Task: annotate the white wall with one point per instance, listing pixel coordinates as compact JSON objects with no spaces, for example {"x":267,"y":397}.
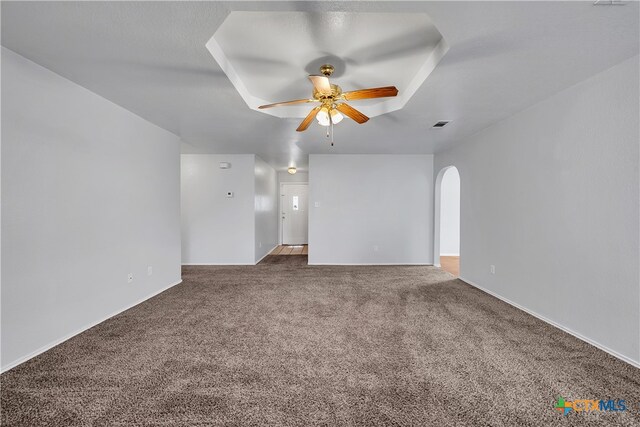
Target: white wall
{"x":373,"y":209}
{"x":450,"y":213}
{"x":550,"y":197}
{"x":90,"y":193}
{"x":217,"y":229}
{"x":297,"y":177}
{"x":266,"y":208}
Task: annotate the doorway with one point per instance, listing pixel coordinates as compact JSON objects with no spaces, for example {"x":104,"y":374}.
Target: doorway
{"x":294,"y":214}
{"x":447,"y":224}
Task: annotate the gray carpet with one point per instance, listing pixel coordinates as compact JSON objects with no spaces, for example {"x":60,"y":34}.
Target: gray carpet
{"x":287,"y":344}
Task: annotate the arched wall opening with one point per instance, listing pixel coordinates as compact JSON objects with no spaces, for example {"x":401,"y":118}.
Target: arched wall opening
{"x":447,"y":218}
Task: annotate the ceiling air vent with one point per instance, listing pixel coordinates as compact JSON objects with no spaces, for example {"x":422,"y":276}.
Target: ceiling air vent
{"x":441,"y":124}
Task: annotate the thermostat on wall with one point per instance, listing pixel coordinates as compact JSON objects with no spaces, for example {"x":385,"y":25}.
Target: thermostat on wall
{"x":229,"y":194}
{"x":225,"y":165}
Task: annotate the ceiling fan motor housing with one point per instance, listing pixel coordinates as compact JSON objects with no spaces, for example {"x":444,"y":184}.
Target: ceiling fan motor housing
{"x":327,"y":69}
{"x":336,"y":92}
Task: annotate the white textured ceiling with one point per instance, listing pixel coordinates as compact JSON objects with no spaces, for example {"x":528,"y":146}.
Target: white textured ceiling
{"x":268,"y":55}
{"x":151,"y":58}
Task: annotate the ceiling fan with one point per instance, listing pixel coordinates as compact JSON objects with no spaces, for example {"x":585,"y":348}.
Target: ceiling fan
{"x":331,"y":99}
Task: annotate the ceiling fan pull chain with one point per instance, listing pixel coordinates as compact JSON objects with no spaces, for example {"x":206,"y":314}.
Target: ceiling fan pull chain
{"x":331,"y":132}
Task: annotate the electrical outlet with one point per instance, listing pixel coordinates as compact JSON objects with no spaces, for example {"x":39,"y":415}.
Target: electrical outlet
{"x":259,"y":244}
{"x":149,"y":271}
{"x":492,"y":269}
{"x":130,"y":278}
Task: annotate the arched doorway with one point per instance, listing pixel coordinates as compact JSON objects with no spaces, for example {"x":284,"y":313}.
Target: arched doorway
{"x":446,"y":251}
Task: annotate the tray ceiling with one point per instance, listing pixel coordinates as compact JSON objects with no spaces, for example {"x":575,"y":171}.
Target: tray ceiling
{"x":268,"y":55}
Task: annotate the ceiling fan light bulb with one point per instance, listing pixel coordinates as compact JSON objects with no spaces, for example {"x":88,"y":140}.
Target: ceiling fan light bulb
{"x":323,"y":117}
{"x":336,"y":117}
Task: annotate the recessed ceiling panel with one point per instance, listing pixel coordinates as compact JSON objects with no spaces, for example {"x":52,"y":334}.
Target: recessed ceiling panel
{"x":268,"y":55}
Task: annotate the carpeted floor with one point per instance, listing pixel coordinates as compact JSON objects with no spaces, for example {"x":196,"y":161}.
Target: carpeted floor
{"x":283,"y":343}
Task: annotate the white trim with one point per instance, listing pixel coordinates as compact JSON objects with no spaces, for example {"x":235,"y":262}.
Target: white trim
{"x":81,"y":330}
{"x":218,"y":263}
{"x":265,"y":255}
{"x":294,"y":182}
{"x":371,"y":264}
{"x":449,"y":254}
{"x":557,"y":325}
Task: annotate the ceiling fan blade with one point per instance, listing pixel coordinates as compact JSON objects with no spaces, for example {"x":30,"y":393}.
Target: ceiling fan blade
{"x":376,"y":92}
{"x":349,"y":111}
{"x":279,"y":104}
{"x":321,"y":83}
{"x":307,"y":120}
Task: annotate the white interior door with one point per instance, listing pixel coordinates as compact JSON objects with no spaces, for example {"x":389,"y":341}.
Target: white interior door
{"x":294,"y":214}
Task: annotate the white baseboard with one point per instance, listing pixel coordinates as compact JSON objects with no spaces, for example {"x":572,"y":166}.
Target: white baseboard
{"x":370,"y":264}
{"x":218,"y":263}
{"x":450,"y":255}
{"x":54,"y":343}
{"x":557,"y":325}
{"x":265,"y":255}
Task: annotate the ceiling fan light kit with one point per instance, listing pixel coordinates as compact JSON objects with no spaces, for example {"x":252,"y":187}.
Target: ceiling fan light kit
{"x":336,"y":117}
{"x":333,"y":107}
{"x":326,"y":117}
